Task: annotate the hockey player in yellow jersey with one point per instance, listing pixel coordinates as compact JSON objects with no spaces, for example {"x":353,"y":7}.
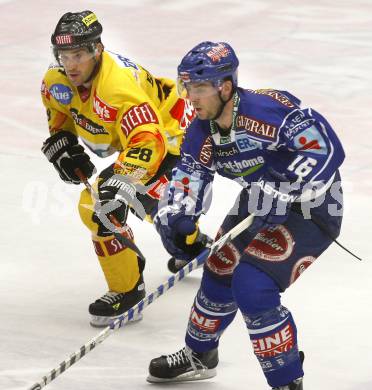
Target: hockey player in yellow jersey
{"x":111,"y":104}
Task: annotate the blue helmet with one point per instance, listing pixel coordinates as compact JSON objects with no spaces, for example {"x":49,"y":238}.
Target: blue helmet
{"x":209,"y":61}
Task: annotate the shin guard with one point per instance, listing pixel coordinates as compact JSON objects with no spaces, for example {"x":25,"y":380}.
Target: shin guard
{"x":213,"y":310}
{"x":274,"y":338}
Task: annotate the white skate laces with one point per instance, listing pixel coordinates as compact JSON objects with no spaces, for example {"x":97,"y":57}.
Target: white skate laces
{"x":185,"y":356}
{"x":177,"y":358}
{"x":111,"y":297}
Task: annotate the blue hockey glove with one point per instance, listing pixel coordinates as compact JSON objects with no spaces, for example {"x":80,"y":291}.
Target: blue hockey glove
{"x":270,"y":199}
{"x":179,"y":235}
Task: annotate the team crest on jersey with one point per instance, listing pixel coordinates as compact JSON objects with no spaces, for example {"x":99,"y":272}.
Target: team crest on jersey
{"x":310,"y":140}
{"x":103,"y":110}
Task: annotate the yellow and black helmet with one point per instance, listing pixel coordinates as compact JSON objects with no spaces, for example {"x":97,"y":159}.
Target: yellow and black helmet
{"x":74,"y":30}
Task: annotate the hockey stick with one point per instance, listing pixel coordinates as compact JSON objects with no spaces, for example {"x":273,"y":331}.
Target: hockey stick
{"x":120,"y":234}
{"x":138,"y":308}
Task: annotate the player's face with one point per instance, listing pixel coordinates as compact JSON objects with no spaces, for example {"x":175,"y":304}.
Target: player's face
{"x":204,"y":97}
{"x":78,"y":64}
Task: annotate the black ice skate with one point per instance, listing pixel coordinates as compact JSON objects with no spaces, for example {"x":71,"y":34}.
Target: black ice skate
{"x":203,"y":241}
{"x":295,"y":385}
{"x":184,"y":365}
{"x":111,"y":305}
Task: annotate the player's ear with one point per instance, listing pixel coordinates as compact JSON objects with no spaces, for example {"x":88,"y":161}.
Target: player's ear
{"x":227,"y":88}
{"x":99,"y":49}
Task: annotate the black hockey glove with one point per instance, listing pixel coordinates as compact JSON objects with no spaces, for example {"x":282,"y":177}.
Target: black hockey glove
{"x":64,"y":152}
{"x":117,"y":194}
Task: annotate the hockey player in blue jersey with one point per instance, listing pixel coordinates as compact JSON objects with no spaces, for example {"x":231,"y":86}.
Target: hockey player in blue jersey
{"x":286,"y":158}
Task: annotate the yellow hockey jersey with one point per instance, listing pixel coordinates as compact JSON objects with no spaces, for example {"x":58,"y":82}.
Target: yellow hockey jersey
{"x":127,"y":110}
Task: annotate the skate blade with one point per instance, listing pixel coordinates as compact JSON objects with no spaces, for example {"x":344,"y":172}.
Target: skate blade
{"x":188,"y":376}
{"x":103,"y":322}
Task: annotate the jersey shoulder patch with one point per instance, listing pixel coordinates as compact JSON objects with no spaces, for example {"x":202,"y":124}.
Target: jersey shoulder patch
{"x":261,"y":113}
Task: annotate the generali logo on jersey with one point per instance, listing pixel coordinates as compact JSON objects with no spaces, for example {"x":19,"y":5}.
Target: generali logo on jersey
{"x":138,"y":116}
{"x":103,"y":110}
{"x":206,"y":151}
{"x":257,"y":128}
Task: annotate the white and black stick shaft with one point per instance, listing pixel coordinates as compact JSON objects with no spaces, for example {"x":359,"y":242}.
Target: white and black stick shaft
{"x":138,"y":308}
{"x":76,"y":356}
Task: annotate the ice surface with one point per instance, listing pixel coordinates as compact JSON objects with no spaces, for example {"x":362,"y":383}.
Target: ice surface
{"x":320,"y":51}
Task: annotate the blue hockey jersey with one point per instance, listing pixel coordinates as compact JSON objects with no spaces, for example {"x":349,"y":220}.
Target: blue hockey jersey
{"x":269,"y":129}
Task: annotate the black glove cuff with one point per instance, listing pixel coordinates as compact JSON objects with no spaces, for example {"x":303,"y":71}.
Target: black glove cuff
{"x":57,"y":144}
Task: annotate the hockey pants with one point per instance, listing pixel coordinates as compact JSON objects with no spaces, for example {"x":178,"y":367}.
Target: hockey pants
{"x":120,"y":264}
